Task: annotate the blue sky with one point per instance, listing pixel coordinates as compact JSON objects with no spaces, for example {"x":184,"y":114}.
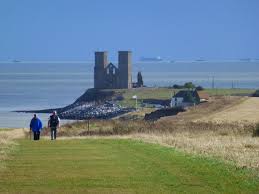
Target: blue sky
{"x":176,"y":29}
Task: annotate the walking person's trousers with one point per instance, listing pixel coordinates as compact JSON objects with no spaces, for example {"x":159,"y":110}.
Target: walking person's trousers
{"x":53,"y":133}
{"x":36,"y":135}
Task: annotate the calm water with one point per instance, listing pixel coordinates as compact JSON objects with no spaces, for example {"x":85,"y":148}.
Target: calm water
{"x":25,"y":86}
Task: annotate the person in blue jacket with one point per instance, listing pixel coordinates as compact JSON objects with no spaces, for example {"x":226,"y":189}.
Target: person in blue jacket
{"x":35,"y":127}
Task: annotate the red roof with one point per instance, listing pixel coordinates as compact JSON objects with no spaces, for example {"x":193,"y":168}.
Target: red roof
{"x":203,"y":95}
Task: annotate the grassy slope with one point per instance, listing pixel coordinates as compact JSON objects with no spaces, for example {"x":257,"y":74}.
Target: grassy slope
{"x":117,"y":166}
{"x":166,"y":93}
{"x":144,"y":93}
{"x":232,"y":92}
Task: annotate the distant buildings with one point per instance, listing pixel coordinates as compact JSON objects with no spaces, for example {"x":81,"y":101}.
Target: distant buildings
{"x":108,"y":76}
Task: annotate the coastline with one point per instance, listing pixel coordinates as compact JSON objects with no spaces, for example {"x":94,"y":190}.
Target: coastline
{"x":93,"y":104}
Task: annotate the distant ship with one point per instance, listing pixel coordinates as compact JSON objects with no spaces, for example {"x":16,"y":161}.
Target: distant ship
{"x":16,"y":61}
{"x":200,"y":60}
{"x":151,"y":59}
{"x":245,"y":59}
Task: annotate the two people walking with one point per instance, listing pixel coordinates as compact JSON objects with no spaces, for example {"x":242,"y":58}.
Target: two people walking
{"x":36,"y":126}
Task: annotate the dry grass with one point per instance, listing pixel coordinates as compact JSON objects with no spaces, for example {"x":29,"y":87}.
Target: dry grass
{"x":241,"y":150}
{"x":7,"y":143}
{"x":232,"y":142}
{"x":118,"y":127}
{"x":247,"y":111}
{"x":215,"y":105}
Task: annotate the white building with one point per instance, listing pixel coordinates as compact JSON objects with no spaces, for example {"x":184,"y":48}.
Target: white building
{"x":185,"y":98}
{"x":176,"y":102}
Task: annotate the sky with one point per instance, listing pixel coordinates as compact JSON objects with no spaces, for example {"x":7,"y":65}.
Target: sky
{"x":57,"y":30}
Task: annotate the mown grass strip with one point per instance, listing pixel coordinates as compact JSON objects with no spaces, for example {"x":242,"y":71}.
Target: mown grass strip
{"x":117,"y":166}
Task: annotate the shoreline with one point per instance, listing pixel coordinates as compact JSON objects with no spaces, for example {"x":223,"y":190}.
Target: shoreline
{"x":110,"y":103}
{"x":93,"y":104}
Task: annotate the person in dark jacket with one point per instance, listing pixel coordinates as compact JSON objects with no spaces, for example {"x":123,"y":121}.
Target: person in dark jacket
{"x":53,"y":124}
{"x":35,"y":127}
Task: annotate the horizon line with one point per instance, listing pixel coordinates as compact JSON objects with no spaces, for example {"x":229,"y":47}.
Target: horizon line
{"x":138,"y":61}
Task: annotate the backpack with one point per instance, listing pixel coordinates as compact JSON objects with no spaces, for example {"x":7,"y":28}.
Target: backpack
{"x":53,"y":121}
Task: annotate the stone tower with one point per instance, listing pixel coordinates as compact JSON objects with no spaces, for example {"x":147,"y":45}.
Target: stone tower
{"x":125,"y":79}
{"x":108,"y":76}
{"x":101,"y":61}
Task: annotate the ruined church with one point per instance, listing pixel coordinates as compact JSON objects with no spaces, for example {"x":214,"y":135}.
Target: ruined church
{"x":108,"y":76}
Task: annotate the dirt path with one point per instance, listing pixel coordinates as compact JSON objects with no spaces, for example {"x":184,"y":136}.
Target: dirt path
{"x":247,"y":111}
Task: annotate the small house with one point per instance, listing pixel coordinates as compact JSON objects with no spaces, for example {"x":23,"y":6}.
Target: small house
{"x":185,"y":98}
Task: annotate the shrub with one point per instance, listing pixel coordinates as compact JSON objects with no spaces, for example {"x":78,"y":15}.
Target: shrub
{"x":256,"y":131}
{"x":119,"y":98}
{"x":199,"y":88}
{"x":176,"y":86}
{"x":256,"y":94}
{"x":189,"y":85}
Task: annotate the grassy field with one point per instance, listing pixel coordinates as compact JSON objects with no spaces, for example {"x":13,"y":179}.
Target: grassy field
{"x":166,"y":93}
{"x":117,"y":166}
{"x":232,"y":142}
{"x":144,"y":93}
{"x":230,"y":92}
{"x":247,"y":111}
{"x":224,"y":128}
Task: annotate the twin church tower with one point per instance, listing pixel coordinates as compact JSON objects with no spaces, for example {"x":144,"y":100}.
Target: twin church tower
{"x":108,"y":76}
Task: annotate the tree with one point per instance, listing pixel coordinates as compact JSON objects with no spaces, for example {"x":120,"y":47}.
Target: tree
{"x":176,"y":86}
{"x":189,"y":85}
{"x":140,"y":80}
{"x":199,"y":88}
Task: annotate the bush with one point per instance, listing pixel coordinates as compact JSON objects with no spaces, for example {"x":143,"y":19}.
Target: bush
{"x":189,"y":85}
{"x":176,"y":86}
{"x":199,"y":88}
{"x":256,"y":131}
{"x":119,"y":98}
{"x":256,"y":94}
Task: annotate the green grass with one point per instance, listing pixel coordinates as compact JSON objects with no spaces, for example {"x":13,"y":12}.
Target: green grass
{"x":144,"y":93}
{"x":166,"y":93}
{"x":229,"y":92}
{"x":117,"y":166}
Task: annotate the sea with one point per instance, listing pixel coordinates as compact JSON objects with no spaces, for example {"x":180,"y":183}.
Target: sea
{"x":41,"y":85}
